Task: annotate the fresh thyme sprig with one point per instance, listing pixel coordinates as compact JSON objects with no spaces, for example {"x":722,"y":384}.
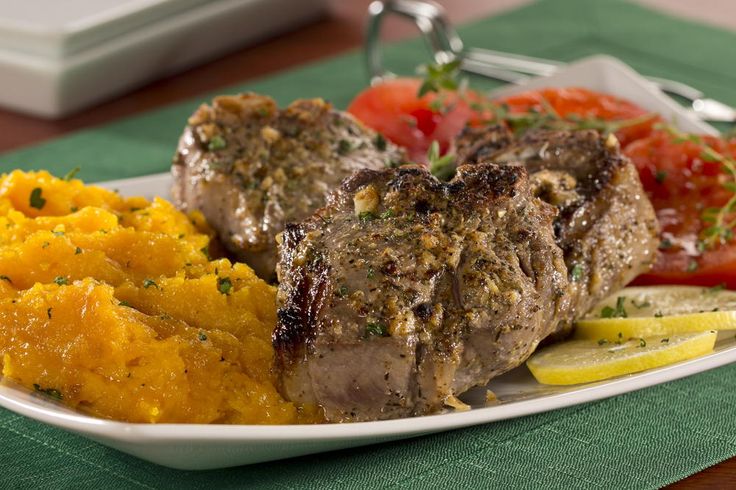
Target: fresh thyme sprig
{"x":438,"y":76}
{"x":441,"y":167}
{"x":721,"y":221}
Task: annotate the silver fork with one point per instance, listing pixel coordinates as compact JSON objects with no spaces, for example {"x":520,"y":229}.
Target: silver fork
{"x":446,"y":45}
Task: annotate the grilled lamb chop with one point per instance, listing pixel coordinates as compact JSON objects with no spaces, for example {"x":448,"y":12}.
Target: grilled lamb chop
{"x":250,"y":167}
{"x":404,"y":291}
{"x":606,"y":225}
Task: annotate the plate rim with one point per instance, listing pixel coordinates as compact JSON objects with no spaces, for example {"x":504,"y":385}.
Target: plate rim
{"x":135,"y":437}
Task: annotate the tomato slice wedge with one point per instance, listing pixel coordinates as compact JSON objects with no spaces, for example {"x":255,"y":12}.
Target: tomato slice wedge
{"x":681,"y":183}
{"x":587,"y":104}
{"x":394,"y":109}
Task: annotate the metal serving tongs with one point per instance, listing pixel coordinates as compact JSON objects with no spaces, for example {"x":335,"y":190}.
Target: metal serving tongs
{"x":446,"y":46}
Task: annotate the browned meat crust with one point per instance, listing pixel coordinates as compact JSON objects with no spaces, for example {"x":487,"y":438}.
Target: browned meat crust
{"x":251,"y":168}
{"x":606,"y":225}
{"x":404,"y":291}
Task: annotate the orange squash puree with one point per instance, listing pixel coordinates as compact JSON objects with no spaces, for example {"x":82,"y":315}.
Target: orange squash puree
{"x":112,"y":305}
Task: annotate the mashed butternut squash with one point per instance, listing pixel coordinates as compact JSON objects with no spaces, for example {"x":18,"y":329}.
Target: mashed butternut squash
{"x":112,"y":305}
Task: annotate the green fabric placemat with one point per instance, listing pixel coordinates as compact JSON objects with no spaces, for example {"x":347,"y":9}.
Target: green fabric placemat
{"x":644,"y":439}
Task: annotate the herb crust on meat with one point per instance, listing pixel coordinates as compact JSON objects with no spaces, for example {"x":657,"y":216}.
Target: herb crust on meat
{"x":250,"y":167}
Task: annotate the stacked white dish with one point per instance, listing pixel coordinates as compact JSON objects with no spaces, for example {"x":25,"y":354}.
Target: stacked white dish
{"x":59,"y":57}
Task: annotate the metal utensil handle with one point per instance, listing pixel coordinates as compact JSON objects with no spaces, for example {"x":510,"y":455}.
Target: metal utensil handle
{"x":446,"y":46}
{"x":430,"y":19}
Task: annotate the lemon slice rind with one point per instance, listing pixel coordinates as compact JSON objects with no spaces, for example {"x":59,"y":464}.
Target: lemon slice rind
{"x":661,"y":310}
{"x":586,"y":361}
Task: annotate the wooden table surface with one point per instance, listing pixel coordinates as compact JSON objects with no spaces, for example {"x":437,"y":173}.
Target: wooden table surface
{"x":341,"y":29}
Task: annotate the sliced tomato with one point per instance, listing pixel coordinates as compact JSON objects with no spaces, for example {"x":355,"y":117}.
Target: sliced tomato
{"x":393,"y":109}
{"x":681,"y":184}
{"x":587,"y":104}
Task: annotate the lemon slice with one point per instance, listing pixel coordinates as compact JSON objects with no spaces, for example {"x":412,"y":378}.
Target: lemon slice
{"x":585,"y":361}
{"x":659,"y":310}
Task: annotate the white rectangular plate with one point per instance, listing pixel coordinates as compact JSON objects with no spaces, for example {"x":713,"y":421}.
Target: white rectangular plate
{"x":189,"y":446}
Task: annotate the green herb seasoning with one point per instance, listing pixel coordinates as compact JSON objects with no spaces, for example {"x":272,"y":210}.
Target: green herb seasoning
{"x":376,"y":330}
{"x":147,"y":283}
{"x":692,"y":266}
{"x":380,"y":142}
{"x":371,"y":273}
{"x":71,"y":174}
{"x":366,"y":216}
{"x":48,"y":313}
{"x":658,"y":314}
{"x":344,"y":147}
{"x":61,"y":280}
{"x":660,"y":176}
{"x":52,"y":392}
{"x":202,"y":336}
{"x":342,"y":291}
{"x":440,"y":76}
{"x":715,"y":289}
{"x":618,"y":312}
{"x":77,"y":251}
{"x":124,"y":303}
{"x":665,"y":244}
{"x":642,"y":343}
{"x":36,"y":201}
{"x":217,"y":142}
{"x":5,"y":278}
{"x":442,"y":167}
{"x":206,"y":251}
{"x":576,"y":273}
{"x":602,"y":342}
{"x":224,"y":285}
{"x":387,"y":214}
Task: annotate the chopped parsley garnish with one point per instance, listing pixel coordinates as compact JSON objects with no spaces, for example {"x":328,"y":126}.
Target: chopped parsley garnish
{"x":602,"y":342}
{"x":217,"y":142}
{"x":618,"y":312}
{"x":658,"y":314}
{"x":366,"y":216}
{"x":206,"y":251}
{"x":371,"y":273}
{"x":124,"y":303}
{"x":692,"y":266}
{"x":71,"y":174}
{"x":36,"y":201}
{"x":52,"y":392}
{"x":665,"y":244}
{"x":380,"y":142}
{"x":224,"y":285}
{"x":660,"y":176}
{"x":342,"y":291}
{"x":61,"y":280}
{"x":376,"y":329}
{"x":576,"y":273}
{"x":389,"y":213}
{"x":48,"y":313}
{"x":202,"y":336}
{"x":344,"y":147}
{"x":77,"y":251}
{"x":642,"y":343}
{"x":5,"y":278}
{"x":147,"y":283}
{"x":665,"y":340}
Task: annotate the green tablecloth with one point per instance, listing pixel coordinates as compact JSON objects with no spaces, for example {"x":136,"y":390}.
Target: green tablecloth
{"x":644,"y":439}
